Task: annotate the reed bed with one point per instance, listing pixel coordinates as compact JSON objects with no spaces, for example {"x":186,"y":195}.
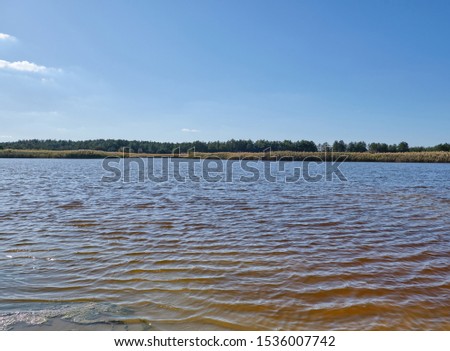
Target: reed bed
{"x":422,"y":157}
{"x":12,"y":153}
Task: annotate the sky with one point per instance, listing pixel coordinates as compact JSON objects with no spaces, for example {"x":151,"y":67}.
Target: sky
{"x":169,"y":70}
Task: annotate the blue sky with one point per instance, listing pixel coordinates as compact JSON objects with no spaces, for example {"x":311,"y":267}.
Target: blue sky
{"x":216,"y":70}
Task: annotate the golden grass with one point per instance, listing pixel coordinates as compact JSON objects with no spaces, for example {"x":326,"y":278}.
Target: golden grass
{"x":430,"y":157}
{"x":11,"y":153}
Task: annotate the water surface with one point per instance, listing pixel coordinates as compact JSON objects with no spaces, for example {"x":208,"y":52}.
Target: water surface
{"x":369,"y":253}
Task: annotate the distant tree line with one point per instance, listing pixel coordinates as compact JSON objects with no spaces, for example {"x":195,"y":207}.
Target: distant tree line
{"x":163,"y":147}
{"x":232,"y":145}
{"x":361,"y":146}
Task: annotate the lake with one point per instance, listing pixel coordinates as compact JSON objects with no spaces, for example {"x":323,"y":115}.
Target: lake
{"x":78,"y":252}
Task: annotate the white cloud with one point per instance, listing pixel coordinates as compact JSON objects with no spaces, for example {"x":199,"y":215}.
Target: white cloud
{"x":4,"y":36}
{"x":47,"y":80}
{"x":187,"y":130}
{"x":22,"y":66}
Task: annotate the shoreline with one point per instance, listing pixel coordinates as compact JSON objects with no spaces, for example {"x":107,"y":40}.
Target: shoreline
{"x":400,"y":157}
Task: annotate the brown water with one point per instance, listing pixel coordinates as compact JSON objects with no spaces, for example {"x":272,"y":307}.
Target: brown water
{"x":79,"y":253}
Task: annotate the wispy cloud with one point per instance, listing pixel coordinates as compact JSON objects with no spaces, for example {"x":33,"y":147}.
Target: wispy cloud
{"x":25,"y":66}
{"x":4,"y":36}
{"x":187,"y":130}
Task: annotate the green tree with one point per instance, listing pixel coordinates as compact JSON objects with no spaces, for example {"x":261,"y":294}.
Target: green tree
{"x":403,"y":147}
{"x":339,"y":146}
{"x":393,"y":148}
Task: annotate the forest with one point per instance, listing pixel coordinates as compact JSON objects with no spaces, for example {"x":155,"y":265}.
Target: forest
{"x":154,"y":147}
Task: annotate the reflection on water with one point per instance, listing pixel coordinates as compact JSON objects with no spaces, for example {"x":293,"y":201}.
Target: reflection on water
{"x":78,"y":253}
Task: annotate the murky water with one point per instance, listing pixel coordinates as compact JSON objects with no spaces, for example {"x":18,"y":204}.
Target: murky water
{"x":79,"y":253}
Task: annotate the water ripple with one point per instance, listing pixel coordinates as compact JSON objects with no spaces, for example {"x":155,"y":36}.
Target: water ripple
{"x":371,"y":253}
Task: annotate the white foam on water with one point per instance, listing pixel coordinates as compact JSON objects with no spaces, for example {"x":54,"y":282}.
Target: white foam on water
{"x":80,"y":314}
